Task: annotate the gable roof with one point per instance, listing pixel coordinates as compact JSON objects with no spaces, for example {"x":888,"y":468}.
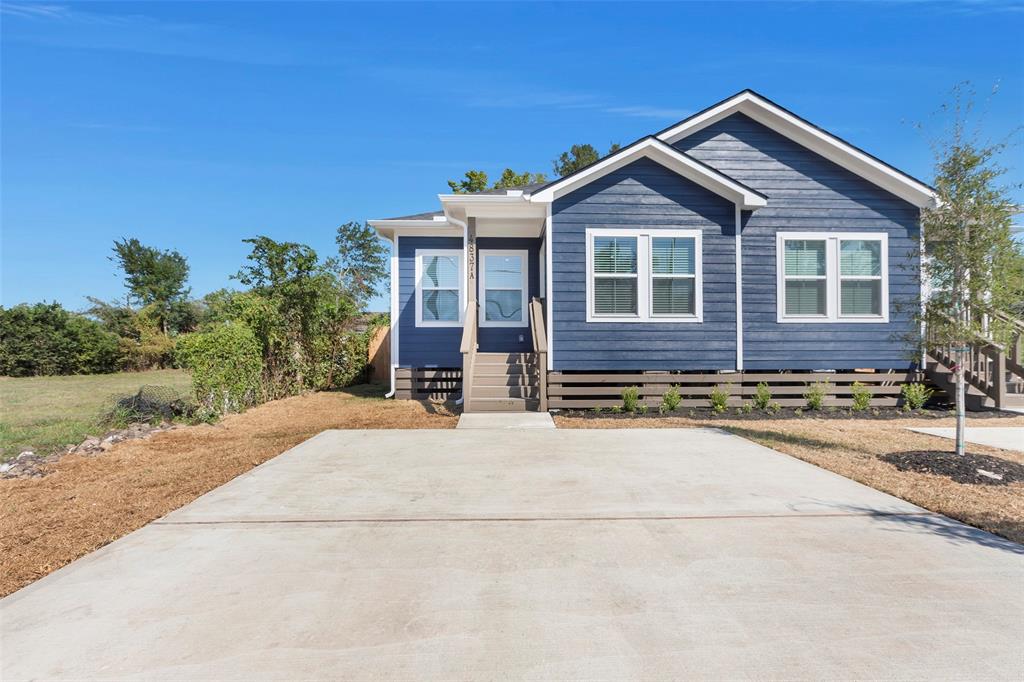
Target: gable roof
{"x":815,"y":138}
{"x":658,"y":151}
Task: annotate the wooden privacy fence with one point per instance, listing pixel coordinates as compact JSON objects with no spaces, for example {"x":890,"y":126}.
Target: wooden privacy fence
{"x":589,"y":390}
{"x":443,"y":383}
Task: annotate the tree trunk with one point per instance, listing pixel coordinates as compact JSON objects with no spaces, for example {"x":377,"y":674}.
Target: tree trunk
{"x":961,"y":414}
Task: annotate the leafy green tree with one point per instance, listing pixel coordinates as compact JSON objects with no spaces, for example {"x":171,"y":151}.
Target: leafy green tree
{"x":362,"y":261}
{"x":973,"y":264}
{"x":44,"y":339}
{"x":152,"y":277}
{"x":510,"y":179}
{"x":579,"y":156}
{"x":299,"y":311}
{"x":475,"y":181}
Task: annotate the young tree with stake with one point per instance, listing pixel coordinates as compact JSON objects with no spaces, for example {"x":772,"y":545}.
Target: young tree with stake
{"x":972,"y":264}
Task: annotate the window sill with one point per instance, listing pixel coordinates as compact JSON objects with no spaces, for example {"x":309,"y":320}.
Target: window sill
{"x":645,"y":320}
{"x":833,"y":320}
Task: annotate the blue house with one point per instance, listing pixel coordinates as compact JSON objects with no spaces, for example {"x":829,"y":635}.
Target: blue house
{"x":742,"y":244}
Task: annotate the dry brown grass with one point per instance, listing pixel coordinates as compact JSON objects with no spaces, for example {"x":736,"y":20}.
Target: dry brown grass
{"x":87,"y":502}
{"x":852,"y":447}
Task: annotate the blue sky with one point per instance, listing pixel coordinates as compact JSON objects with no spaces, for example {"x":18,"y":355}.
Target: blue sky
{"x":194,"y":125}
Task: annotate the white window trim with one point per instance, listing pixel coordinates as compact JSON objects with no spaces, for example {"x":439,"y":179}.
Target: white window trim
{"x":643,"y":272}
{"x":428,"y":253}
{"x":832,"y":278}
{"x":524,"y":257}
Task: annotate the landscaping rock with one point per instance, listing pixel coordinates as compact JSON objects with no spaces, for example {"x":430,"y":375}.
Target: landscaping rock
{"x":28,"y":464}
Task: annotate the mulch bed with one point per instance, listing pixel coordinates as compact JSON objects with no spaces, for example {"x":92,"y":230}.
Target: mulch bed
{"x":966,"y":468}
{"x":735,"y":414}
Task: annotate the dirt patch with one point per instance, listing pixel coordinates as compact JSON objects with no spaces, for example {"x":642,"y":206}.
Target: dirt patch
{"x":854,"y":448}
{"x":85,"y":502}
{"x":966,"y":468}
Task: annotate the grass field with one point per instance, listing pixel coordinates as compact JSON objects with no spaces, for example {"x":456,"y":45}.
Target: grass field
{"x":45,"y":413}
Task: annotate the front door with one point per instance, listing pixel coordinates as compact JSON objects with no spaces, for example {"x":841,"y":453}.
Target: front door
{"x":504,"y":288}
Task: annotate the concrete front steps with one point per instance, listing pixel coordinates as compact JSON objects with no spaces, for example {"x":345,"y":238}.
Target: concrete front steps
{"x":504,"y":382}
{"x":942,"y":376}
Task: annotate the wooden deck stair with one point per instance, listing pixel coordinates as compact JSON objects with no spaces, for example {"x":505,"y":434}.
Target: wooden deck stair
{"x":993,"y":372}
{"x":504,"y":382}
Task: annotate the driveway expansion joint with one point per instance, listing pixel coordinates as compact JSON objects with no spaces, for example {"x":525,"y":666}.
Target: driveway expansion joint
{"x":540,"y":519}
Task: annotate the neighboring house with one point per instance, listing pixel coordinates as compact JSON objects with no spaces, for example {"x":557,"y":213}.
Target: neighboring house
{"x":741,"y":244}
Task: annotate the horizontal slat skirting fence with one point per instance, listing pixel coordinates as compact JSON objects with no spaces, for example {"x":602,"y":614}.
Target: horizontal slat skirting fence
{"x":585,"y":390}
{"x":442,"y":383}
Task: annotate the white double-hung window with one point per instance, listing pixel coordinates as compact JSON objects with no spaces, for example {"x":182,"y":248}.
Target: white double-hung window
{"x":439,"y":288}
{"x":832,"y":277}
{"x":636,"y":275}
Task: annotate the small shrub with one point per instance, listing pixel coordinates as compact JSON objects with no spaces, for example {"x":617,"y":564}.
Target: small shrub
{"x":691,"y":414}
{"x":671,"y":398}
{"x":747,"y":407}
{"x":641,"y":408}
{"x":630,"y":398}
{"x":719,"y":398}
{"x":616,"y":409}
{"x":861,"y":396}
{"x":915,"y":395}
{"x":773,"y":407}
{"x":598,"y":409}
{"x":815,"y":395}
{"x":763,"y":396}
{"x":226,"y":364}
{"x":798,"y":412}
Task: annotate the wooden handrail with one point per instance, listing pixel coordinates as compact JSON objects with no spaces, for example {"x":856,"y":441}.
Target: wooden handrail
{"x":540,"y":348}
{"x":468,"y":349}
{"x":469,"y":329}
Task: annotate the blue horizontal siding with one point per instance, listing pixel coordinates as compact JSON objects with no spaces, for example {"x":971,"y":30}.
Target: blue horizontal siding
{"x":642,"y":194}
{"x":422,"y":346}
{"x":807,"y":192}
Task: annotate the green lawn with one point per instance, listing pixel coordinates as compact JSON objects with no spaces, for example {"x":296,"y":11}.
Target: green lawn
{"x":45,"y":413}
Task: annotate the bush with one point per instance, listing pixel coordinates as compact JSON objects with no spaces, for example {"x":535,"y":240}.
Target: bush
{"x":915,"y":395}
{"x":641,"y":408}
{"x":46,"y":339}
{"x":671,"y":398}
{"x":762,"y":397}
{"x":719,"y":398}
{"x":150,"y":404}
{"x":630,"y":398}
{"x":861,"y":396}
{"x":815,"y":395}
{"x":226,"y":368}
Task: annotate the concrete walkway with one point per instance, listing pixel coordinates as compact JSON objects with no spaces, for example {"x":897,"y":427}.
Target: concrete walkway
{"x":531,"y":554}
{"x":1005,"y":437}
{"x":506,"y":420}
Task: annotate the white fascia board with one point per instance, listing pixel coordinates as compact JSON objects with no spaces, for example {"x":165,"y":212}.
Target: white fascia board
{"x":814,"y":139}
{"x":667,"y":156}
{"x":388,"y":228}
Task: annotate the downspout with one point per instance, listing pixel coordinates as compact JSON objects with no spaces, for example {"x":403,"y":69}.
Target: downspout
{"x":394,"y":314}
{"x":739,"y":290}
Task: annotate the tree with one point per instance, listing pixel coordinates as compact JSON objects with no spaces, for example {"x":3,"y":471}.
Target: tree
{"x":44,"y":339}
{"x":298,"y":310}
{"x":973,"y":264}
{"x":152,"y":277}
{"x":476,"y":181}
{"x":579,"y":156}
{"x":511,"y":179}
{"x":362,"y":261}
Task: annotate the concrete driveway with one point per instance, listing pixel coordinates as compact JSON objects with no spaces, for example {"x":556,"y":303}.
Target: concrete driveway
{"x":475,"y":554}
